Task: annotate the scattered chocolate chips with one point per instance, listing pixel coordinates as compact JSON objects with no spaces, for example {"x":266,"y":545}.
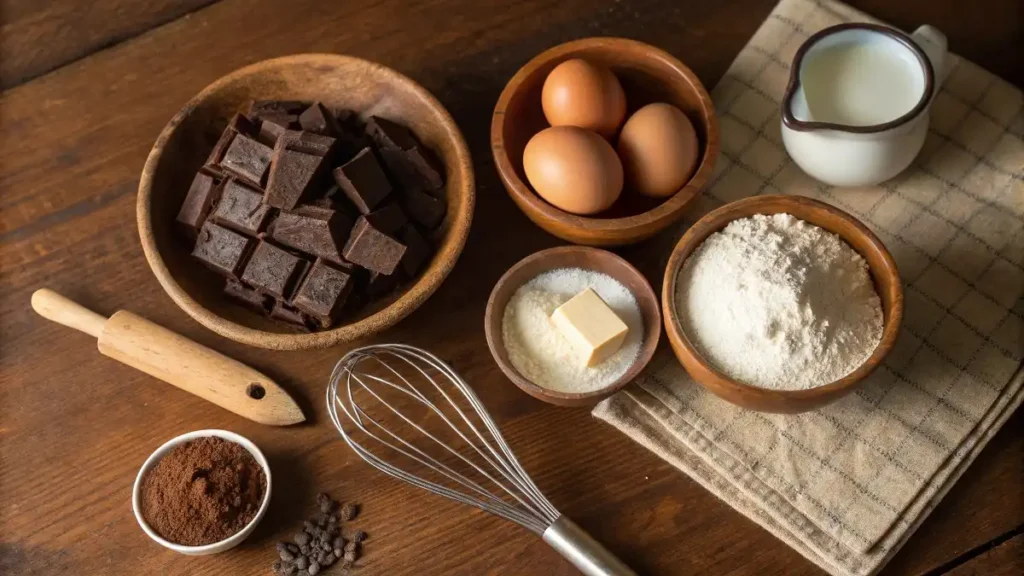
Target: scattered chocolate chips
{"x":264,"y":208}
{"x":317,"y":548}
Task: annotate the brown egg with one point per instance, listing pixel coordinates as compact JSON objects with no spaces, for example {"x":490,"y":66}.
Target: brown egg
{"x":574,"y":169}
{"x":659,"y":150}
{"x":580,"y":93}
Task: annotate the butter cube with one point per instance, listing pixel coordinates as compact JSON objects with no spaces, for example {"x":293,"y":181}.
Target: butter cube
{"x":591,"y":326}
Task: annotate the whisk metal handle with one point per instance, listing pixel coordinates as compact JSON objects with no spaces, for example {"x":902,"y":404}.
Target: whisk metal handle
{"x":585,"y":553}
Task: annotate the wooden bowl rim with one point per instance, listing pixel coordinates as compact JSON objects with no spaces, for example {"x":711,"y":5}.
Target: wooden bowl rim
{"x":683,"y":347}
{"x":495,"y":340}
{"x":417,"y":293}
{"x":670,"y":207}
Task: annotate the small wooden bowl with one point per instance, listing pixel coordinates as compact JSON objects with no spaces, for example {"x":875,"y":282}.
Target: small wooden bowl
{"x":338,"y":82}
{"x":571,"y":257}
{"x":648,"y":75}
{"x":883,"y":273}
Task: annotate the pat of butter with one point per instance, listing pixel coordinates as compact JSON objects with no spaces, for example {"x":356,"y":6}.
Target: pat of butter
{"x":591,"y":326}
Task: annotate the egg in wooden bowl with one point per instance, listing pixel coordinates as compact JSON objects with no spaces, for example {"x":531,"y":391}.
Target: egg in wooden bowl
{"x":340,"y":83}
{"x":604,"y":141}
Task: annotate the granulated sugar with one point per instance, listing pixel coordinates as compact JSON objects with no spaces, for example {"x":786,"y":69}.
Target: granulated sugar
{"x":542,"y":354}
{"x":778,"y":303}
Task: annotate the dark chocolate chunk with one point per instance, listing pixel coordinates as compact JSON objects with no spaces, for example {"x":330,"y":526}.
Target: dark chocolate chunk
{"x":259,"y":109}
{"x":247,"y":296}
{"x":424,"y":208}
{"x":417,"y":251}
{"x":290,"y":315}
{"x":379,"y":284}
{"x":273,"y":271}
{"x":199,"y":201}
{"x":313,"y":229}
{"x":363,"y":181}
{"x":241,"y":208}
{"x":319,"y":119}
{"x":292,"y":175}
{"x":272,"y":128}
{"x":373,"y":249}
{"x":243,"y":125}
{"x":388,"y":134}
{"x":424,"y":164}
{"x":223,"y":250}
{"x":322,"y":295}
{"x":226,"y":137}
{"x":307,"y":143}
{"x":388,"y":218}
{"x":247,"y":158}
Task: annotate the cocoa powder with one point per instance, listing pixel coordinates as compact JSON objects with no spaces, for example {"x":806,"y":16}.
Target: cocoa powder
{"x":202,"y":492}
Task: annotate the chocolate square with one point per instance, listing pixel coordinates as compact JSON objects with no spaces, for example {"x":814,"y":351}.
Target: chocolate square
{"x":273,"y":271}
{"x":292,"y":175}
{"x":260,"y":109}
{"x":226,"y":137}
{"x":424,"y":208}
{"x":373,"y":249}
{"x":247,"y":296}
{"x":222,"y":250}
{"x":388,"y":134}
{"x":388,"y":218}
{"x":313,"y":229}
{"x":289,"y":315}
{"x":202,"y":196}
{"x":363,"y":181}
{"x":243,"y":125}
{"x":323,"y":292}
{"x":417,"y":251}
{"x":272,"y":128}
{"x":247,"y":158}
{"x":307,"y":143}
{"x":241,"y":208}
{"x":319,"y":119}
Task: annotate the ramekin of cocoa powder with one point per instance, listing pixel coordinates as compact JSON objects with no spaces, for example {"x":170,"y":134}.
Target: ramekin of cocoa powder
{"x":203,"y":492}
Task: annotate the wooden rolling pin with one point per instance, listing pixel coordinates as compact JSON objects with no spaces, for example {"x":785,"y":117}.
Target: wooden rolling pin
{"x":177,"y":360}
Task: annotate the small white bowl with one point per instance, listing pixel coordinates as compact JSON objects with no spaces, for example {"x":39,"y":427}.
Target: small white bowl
{"x":227,"y":543}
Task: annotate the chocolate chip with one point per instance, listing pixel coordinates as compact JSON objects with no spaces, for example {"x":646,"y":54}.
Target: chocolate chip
{"x":314,"y":568}
{"x":302,"y":563}
{"x":302,"y":539}
{"x":286,"y":556}
{"x":358,"y":536}
{"x":349,"y":511}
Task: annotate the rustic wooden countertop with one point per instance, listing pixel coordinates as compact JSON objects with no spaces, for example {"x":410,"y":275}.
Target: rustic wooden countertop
{"x":87,"y":86}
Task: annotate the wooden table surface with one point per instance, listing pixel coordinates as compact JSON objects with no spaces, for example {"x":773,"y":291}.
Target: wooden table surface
{"x":87,"y":86}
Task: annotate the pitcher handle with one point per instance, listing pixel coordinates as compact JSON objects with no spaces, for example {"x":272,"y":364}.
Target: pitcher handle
{"x":934,"y":44}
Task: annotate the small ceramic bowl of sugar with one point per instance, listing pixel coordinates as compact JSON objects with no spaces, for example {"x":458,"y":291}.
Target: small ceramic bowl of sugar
{"x":781,"y":303}
{"x":573,"y":324}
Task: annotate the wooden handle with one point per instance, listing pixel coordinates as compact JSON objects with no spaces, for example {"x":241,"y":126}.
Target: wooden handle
{"x":195,"y":368}
{"x":53,"y":306}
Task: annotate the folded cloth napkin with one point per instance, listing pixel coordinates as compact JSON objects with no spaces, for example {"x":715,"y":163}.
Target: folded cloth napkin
{"x":848,"y":484}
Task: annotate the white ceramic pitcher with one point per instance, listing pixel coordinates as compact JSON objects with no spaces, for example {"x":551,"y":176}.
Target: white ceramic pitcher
{"x":855,"y":153}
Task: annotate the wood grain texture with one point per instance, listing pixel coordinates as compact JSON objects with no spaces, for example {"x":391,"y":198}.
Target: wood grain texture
{"x":1006,"y":559}
{"x":647,"y":74}
{"x":75,"y":426}
{"x":38,"y":37}
{"x":883,"y":270}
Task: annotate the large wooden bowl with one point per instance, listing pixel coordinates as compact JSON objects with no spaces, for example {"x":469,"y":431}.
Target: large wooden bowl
{"x":883,"y":273}
{"x":338,"y":82}
{"x":571,"y":257}
{"x":648,"y":75}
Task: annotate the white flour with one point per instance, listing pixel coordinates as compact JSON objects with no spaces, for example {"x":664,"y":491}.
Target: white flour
{"x":542,"y":354}
{"x":778,"y":303}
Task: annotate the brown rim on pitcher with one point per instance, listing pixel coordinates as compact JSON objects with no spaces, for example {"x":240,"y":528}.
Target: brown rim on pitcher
{"x":794,"y":81}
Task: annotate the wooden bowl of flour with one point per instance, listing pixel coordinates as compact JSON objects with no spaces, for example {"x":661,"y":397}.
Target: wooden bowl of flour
{"x":592,"y":259}
{"x":883,"y":272}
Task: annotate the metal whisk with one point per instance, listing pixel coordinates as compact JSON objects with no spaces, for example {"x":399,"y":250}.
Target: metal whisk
{"x":524,"y":505}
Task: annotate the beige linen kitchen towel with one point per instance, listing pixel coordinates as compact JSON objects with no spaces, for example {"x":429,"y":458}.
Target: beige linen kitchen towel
{"x":846,"y":485}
